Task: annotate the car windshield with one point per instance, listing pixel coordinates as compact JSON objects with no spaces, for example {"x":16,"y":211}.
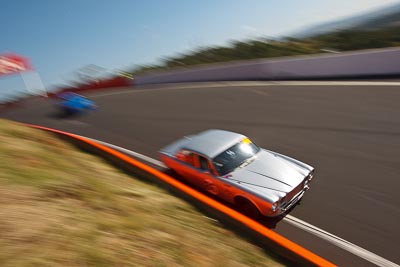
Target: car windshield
{"x":235,"y":156}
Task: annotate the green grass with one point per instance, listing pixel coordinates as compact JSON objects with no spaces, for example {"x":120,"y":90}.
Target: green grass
{"x":62,"y":207}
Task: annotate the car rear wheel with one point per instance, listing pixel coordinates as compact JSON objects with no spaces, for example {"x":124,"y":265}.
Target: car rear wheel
{"x":247,"y":208}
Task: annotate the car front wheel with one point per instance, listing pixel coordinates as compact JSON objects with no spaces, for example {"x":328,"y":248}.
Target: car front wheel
{"x":247,"y":208}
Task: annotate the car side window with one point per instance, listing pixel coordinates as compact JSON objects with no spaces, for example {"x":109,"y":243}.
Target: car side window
{"x":203,"y":163}
{"x":186,"y":156}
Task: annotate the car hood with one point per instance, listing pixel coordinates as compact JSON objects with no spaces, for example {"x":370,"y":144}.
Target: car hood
{"x":270,"y":171}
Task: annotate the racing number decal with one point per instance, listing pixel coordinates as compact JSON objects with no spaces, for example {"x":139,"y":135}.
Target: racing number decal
{"x":210,"y":187}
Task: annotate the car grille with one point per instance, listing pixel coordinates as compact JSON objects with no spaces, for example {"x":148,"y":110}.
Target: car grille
{"x":295,"y":191}
{"x":292,"y":194}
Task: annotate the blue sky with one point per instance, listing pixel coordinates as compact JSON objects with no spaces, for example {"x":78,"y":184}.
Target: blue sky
{"x":59,"y":37}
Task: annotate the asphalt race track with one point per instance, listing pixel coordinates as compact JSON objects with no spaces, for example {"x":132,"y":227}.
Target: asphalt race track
{"x":350,"y":134}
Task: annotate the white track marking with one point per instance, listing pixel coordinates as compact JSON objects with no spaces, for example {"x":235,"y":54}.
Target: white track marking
{"x":331,"y":238}
{"x":339,"y":242}
{"x":182,"y":86}
{"x":129,"y":152}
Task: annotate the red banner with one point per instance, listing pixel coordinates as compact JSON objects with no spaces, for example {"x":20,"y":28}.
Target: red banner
{"x":12,"y":63}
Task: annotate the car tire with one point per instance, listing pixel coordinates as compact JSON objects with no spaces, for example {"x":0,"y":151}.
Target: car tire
{"x":247,"y":208}
{"x":170,"y":172}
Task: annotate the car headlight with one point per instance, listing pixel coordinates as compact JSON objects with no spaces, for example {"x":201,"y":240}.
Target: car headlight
{"x":274,"y":206}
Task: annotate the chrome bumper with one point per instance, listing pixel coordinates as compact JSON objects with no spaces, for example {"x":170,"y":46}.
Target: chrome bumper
{"x":294,"y":200}
{"x":305,"y":186}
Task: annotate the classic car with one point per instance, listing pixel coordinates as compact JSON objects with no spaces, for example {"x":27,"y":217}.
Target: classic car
{"x":230,"y":166}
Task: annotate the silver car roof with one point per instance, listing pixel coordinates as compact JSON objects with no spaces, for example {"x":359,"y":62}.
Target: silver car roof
{"x":213,"y":142}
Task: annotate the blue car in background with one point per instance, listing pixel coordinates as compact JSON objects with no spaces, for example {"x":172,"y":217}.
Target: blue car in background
{"x":73,"y":104}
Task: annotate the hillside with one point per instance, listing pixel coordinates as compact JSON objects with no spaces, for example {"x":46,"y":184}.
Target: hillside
{"x":384,"y":17}
{"x":62,"y":207}
{"x":338,"y":41}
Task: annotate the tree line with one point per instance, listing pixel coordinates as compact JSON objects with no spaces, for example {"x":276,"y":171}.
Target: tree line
{"x":338,"y":41}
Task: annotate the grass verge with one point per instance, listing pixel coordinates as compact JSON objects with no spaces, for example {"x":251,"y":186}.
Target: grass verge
{"x":62,"y":207}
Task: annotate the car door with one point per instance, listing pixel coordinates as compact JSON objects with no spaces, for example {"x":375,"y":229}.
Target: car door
{"x":189,"y":167}
{"x":205,"y":175}
{"x":199,"y":171}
